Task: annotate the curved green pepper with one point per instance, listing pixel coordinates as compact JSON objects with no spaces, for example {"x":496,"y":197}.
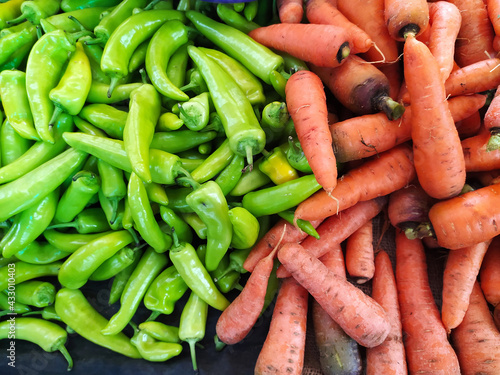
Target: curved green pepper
{"x":9,"y":10}
{"x":168,"y":122}
{"x":177,"y":64}
{"x":195,"y":113}
{"x":22,"y":271}
{"x":35,"y":10}
{"x":12,"y":145}
{"x":98,"y":93}
{"x":35,"y":293}
{"x":304,"y":225}
{"x":234,"y":19}
{"x":8,"y":304}
{"x":41,"y":253}
{"x":106,"y":117}
{"x":176,"y":222}
{"x":180,"y":140}
{"x":138,"y":59}
{"x":120,"y":281}
{"x":113,"y":185}
{"x":71,"y":5}
{"x":250,"y":180}
{"x":12,"y":42}
{"x":296,"y":157}
{"x":88,"y":18}
{"x":214,"y":163}
{"x":70,"y":242}
{"x":245,"y":228}
{"x":152,"y":349}
{"x":115,"y":264}
{"x":156,"y":193}
{"x":228,"y":178}
{"x":90,"y":220}
{"x":195,"y":222}
{"x":196,"y":82}
{"x":160,"y":331}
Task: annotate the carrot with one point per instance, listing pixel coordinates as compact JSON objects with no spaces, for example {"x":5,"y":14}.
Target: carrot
{"x":339,"y":354}
{"x":487,"y":177}
{"x":489,"y":275}
{"x":426,"y":343}
{"x":476,"y":154}
{"x":389,"y":357}
{"x":394,"y":74}
{"x":360,"y":86}
{"x":469,"y":126}
{"x":284,"y":347}
{"x":467,"y":219}
{"x":367,"y":135}
{"x":445,"y":22}
{"x":359,"y":256}
{"x":496,"y":316}
{"x":281,"y":233}
{"x":358,"y":314}
{"x":439,"y":161}
{"x":496,"y":43}
{"x":378,"y":176}
{"x":492,"y":122}
{"x":474,"y":78}
{"x":306,"y":102}
{"x":477,"y":339}
{"x":322,"y":45}
{"x":460,"y":273}
{"x":406,"y":17}
{"x":326,"y":12}
{"x":337,"y":228}
{"x":240,"y":316}
{"x":475,"y":38}
{"x":290,"y":11}
{"x":493,"y":8}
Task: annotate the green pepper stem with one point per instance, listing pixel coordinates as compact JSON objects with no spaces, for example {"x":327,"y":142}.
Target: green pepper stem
{"x":249,"y":152}
{"x":135,"y":237}
{"x":66,"y":355}
{"x":192,"y":349}
{"x":144,"y":75}
{"x":219,"y":345}
{"x":151,"y":4}
{"x":153,"y":316}
{"x":73,"y":37}
{"x":92,"y":41}
{"x":75,"y":20}
{"x":112,"y":85}
{"x":187,"y":179}
{"x":114,"y":207}
{"x":62,"y":225}
{"x":58,"y":111}
{"x":17,"y":20}
{"x":38,"y":31}
{"x":238,"y":287}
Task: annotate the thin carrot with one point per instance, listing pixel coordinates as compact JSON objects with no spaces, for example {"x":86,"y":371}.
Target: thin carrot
{"x":322,"y":45}
{"x":469,"y":126}
{"x":439,"y":161}
{"x":290,"y":11}
{"x":284,"y":347}
{"x":361,"y":317}
{"x":467,"y":219}
{"x":361,"y":87}
{"x":476,"y":154}
{"x":377,"y":176}
{"x":360,"y":256}
{"x":326,"y":12}
{"x":306,"y":102}
{"x":426,"y":342}
{"x":460,"y":273}
{"x":477,"y":339}
{"x":367,"y":135}
{"x":389,"y":357}
{"x":406,"y":17}
{"x":489,"y":275}
{"x":481,"y":76}
{"x":492,"y":121}
{"x":337,"y":228}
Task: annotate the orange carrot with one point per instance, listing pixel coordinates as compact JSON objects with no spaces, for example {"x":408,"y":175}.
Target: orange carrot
{"x":337,"y":228}
{"x":378,"y":176}
{"x":469,"y":126}
{"x":496,"y":43}
{"x":326,"y":12}
{"x":428,"y":350}
{"x":477,"y":339}
{"x":476,"y":154}
{"x":489,"y":275}
{"x":367,"y":135}
{"x":406,"y":17}
{"x":496,"y":316}
{"x":290,"y":11}
{"x":360,"y":86}
{"x":284,"y":347}
{"x":359,"y":256}
{"x":389,"y":357}
{"x":306,"y":102}
{"x":493,"y":8}
{"x":240,"y":316}
{"x":439,"y":160}
{"x":474,"y":78}
{"x":460,"y":273}
{"x":492,"y":122}
{"x":361,"y":317}
{"x":467,"y":219}
{"x":325,"y":45}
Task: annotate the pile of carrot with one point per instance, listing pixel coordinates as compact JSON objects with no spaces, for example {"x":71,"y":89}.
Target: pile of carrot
{"x":430,"y":174}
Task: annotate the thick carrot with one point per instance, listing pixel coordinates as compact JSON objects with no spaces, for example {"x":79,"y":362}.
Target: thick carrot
{"x":467,"y":219}
{"x":445,"y":21}
{"x":460,"y":273}
{"x":476,"y":154}
{"x":481,"y":76}
{"x":477,"y":339}
{"x":284,"y":347}
{"x":322,"y":45}
{"x":240,"y":316}
{"x":389,"y":357}
{"x":290,"y":11}
{"x":338,"y":228}
{"x":489,"y":275}
{"x":377,"y":176}
{"x":492,"y":121}
{"x":367,"y":135}
{"x":406,"y":17}
{"x":326,"y":12}
{"x":361,"y":87}
{"x":359,"y":255}
{"x":493,"y":8}
{"x":428,"y":350}
{"x":306,"y":102}
{"x":439,"y":160}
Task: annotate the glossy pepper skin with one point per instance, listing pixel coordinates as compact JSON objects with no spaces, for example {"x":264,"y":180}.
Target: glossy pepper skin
{"x":36,"y":10}
{"x":11,"y":305}
{"x":36,"y":293}
{"x":90,"y":220}
{"x":27,"y":271}
{"x":120,"y":281}
{"x":71,"y":5}
{"x":180,"y":140}
{"x":160,"y":331}
{"x":88,"y":18}
{"x":195,"y":113}
{"x":231,"y":174}
{"x":277,"y":167}
{"x":113,"y":184}
{"x":245,"y":228}
{"x":41,"y":253}
{"x":152,"y":349}
{"x":8,"y":11}
{"x":115,"y":264}
{"x":12,"y":42}
{"x":235,"y":19}
{"x":106,"y":117}
{"x":69,"y":242}
{"x":12,"y":145}
{"x":75,"y":310}
{"x":214,"y":163}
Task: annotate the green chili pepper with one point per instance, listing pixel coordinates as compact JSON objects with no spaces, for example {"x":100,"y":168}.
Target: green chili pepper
{"x":164,"y":292}
{"x":47,"y":313}
{"x":260,"y":60}
{"x":14,"y":29}
{"x":195,"y":112}
{"x":215,"y":163}
{"x":177,"y":64}
{"x":275,"y":116}
{"x":94,"y":54}
{"x":236,"y":259}
{"x":8,"y":11}
{"x":278,"y":81}
{"x":277,"y":167}
{"x":234,"y":19}
{"x":106,"y":117}
{"x":73,"y":21}
{"x":35,"y":293}
{"x":205,"y":148}
{"x":167,"y":122}
{"x":148,"y":268}
{"x":12,"y":145}
{"x":175,"y":221}
{"x":69,"y":242}
{"x":71,"y":92}
{"x":152,"y":349}
{"x":120,"y":280}
{"x":193,"y":323}
{"x":304,"y":225}
{"x":229,"y":176}
{"x":90,"y":220}
{"x":160,"y":331}
{"x":48,"y":335}
{"x":17,"y":59}
{"x":250,"y":180}
{"x":196,"y":82}
{"x":115,"y":264}
{"x":98,"y":93}
{"x":156,"y":193}
{"x":87,"y":127}
{"x":113,"y":185}
{"x":275,"y":199}
{"x":35,"y":10}
{"x":180,"y":140}
{"x":296,"y":157}
{"x":292,"y":63}
{"x":41,"y":253}
{"x":127,"y":37}
{"x":245,"y":228}
{"x":8,"y":304}
{"x":250,"y":10}
{"x":177,"y":199}
{"x":74,"y":309}
{"x":184,"y":258}
{"x":195,"y":222}
{"x":241,"y":126}
{"x":29,"y":224}
{"x":21,"y":271}
{"x":114,"y":217}
{"x":12,"y":42}
{"x":71,"y":5}
{"x":224,"y":281}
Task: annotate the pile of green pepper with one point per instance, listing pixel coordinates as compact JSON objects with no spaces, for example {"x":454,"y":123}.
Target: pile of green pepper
{"x":143,"y":143}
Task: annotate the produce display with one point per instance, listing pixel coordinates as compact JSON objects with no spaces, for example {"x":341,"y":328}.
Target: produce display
{"x":267,"y":187}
